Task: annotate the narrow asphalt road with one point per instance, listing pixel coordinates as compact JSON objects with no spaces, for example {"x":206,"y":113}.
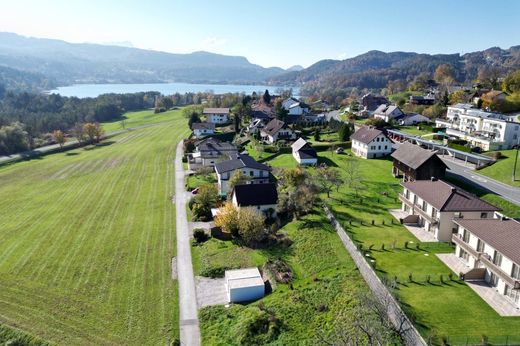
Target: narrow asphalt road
{"x":188,"y":318}
{"x":510,"y":193}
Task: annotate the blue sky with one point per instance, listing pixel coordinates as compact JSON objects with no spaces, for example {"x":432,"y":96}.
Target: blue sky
{"x":273,"y":33}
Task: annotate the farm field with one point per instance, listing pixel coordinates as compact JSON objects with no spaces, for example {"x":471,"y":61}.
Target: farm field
{"x":86,"y":241}
{"x":139,"y":118}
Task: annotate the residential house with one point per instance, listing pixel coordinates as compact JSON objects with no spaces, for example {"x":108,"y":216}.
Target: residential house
{"x":489,"y":131}
{"x":427,"y":100}
{"x":210,"y":151}
{"x":435,"y":204}
{"x":415,"y":163}
{"x":491,"y":247}
{"x":261,"y":197}
{"x":201,"y":130}
{"x":387,"y":112}
{"x":295,"y":106}
{"x":275,"y":130}
{"x":369,"y":143}
{"x":409,"y":119}
{"x":493,"y":96}
{"x":304,"y":153}
{"x":321,"y":105}
{"x":256,"y":172}
{"x":371,"y":102}
{"x":216,"y":115}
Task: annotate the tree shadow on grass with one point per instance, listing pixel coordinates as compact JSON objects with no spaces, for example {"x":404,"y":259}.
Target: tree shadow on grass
{"x":71,"y":154}
{"x":99,"y":145}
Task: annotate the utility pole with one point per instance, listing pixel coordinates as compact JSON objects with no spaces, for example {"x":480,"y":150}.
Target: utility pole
{"x":516,"y":159}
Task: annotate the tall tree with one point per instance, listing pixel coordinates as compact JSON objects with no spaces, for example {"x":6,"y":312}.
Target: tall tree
{"x":344,"y":132}
{"x":445,"y":74}
{"x":327,"y":177}
{"x":78,"y":131}
{"x":266,"y":97}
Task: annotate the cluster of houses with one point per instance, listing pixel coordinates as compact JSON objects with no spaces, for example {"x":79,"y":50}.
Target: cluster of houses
{"x":380,"y":108}
{"x":487,"y":242}
{"x":213,"y":117}
{"x":487,"y":130}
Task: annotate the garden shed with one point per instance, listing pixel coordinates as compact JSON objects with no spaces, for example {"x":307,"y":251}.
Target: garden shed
{"x":244,"y":285}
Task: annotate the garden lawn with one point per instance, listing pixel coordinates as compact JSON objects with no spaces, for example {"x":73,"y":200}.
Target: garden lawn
{"x":324,"y":286}
{"x":448,"y":308}
{"x":135,"y":119}
{"x":86,"y":241}
{"x":412,"y":130}
{"x":197,"y":180}
{"x":502,"y":170}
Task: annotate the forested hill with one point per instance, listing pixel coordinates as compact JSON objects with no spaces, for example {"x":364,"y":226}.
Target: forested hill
{"x":375,"y":69}
{"x":68,"y":63}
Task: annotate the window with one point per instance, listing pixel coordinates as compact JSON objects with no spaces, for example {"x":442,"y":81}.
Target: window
{"x":483,"y":215}
{"x":480,"y":246}
{"x":251,"y":173}
{"x":497,"y":258}
{"x":378,"y":147}
{"x":465,"y":236}
{"x":407,"y":194}
{"x":386,"y":147}
{"x":493,"y":280}
{"x":434,"y":213}
{"x":414,"y":199}
{"x":458,"y":215}
{"x":424,"y":205}
{"x":515,"y":272}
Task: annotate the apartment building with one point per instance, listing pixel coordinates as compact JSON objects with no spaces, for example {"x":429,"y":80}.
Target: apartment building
{"x":435,"y":204}
{"x":489,"y":131}
{"x":491,"y":247}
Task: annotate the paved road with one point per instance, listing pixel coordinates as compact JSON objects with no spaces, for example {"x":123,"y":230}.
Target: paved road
{"x":510,"y":193}
{"x":188,"y":319}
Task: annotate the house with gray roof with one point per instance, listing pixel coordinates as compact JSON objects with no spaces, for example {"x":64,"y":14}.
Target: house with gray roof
{"x":216,"y":115}
{"x":490,"y":248}
{"x":435,"y":204}
{"x":411,"y":162}
{"x":387,"y":112}
{"x":201,"y":130}
{"x":304,"y":153}
{"x":275,"y":130}
{"x":257,"y":173}
{"x":210,"y":151}
{"x":369,"y":143}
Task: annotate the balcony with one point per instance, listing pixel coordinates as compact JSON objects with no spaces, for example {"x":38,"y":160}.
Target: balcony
{"x":487,"y":261}
{"x":457,"y":239}
{"x":417,"y":209}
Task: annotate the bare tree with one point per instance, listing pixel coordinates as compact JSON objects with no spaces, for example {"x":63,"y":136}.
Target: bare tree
{"x":79,"y":132}
{"x":354,"y":179}
{"x":59,"y":137}
{"x":327,"y":178}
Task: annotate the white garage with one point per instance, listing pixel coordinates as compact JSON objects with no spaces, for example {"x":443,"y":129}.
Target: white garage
{"x":244,"y":285}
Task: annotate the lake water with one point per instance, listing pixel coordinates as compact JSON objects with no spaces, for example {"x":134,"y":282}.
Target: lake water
{"x":93,"y":90}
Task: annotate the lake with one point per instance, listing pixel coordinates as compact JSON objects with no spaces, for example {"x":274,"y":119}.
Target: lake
{"x":93,"y":90}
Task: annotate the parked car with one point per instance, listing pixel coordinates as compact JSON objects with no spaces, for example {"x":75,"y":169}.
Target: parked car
{"x":195,"y":191}
{"x":339,"y":150}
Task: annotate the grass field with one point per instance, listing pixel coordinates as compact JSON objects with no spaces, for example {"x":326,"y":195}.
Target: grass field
{"x":502,"y":170}
{"x":439,"y":308}
{"x":86,"y":241}
{"x":134,"y":119}
{"x":324,"y":287}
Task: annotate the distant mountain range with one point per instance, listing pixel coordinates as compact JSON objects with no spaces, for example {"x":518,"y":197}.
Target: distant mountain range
{"x":64,"y":63}
{"x":36,"y":64}
{"x":375,"y":69}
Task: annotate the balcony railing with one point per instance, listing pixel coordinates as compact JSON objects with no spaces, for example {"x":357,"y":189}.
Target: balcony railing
{"x":457,"y":239}
{"x":488,"y":262}
{"x":417,"y":208}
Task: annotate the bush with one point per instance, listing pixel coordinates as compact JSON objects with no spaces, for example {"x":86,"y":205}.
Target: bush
{"x":256,"y":327}
{"x":215,"y":272}
{"x":200,"y":235}
{"x":496,"y":155}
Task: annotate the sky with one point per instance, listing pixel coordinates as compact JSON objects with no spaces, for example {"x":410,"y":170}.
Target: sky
{"x":272,"y":32}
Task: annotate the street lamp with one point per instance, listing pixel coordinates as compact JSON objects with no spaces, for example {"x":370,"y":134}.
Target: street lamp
{"x":516,"y":159}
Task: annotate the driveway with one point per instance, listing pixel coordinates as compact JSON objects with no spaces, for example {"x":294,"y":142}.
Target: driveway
{"x":188,"y":317}
{"x":211,"y":291}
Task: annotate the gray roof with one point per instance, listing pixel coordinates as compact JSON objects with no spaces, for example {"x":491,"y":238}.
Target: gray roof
{"x":413,"y":155}
{"x":215,"y":111}
{"x":502,"y":235}
{"x":366,"y":134}
{"x":203,"y":126}
{"x":444,"y":196}
{"x":273,"y":127}
{"x":256,"y":194}
{"x":241,"y":161}
{"x":386,"y":109}
{"x":213,"y":144}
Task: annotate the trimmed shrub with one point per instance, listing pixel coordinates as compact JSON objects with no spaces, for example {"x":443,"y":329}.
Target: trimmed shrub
{"x":200,"y":235}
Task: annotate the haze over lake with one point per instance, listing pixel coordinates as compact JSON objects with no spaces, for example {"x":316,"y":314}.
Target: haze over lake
{"x":93,"y":90}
